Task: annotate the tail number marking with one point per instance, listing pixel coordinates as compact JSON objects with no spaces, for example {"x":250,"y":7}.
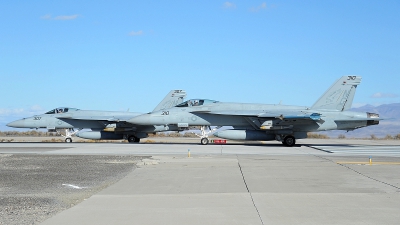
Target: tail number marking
{"x":351,"y":77}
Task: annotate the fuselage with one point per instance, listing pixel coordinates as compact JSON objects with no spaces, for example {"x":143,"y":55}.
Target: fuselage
{"x":244,"y":116}
{"x":72,"y":118}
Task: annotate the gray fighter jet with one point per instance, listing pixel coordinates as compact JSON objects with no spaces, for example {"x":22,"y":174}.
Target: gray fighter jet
{"x":267,"y":122}
{"x":107,"y":125}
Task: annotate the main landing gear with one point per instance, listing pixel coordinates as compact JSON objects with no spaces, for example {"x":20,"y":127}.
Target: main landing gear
{"x":289,"y":141}
{"x":67,"y":134}
{"x":205,"y":131}
{"x":133,"y":139}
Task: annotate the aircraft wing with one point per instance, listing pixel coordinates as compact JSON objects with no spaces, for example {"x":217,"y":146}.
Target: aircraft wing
{"x":305,"y":116}
{"x":232,"y":112}
{"x":264,"y":114}
{"x":98,"y":118}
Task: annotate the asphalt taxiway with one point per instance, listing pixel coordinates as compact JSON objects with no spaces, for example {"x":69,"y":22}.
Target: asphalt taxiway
{"x":315,"y":182}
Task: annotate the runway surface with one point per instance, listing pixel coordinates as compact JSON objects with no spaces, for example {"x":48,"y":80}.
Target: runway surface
{"x":393,"y":150}
{"x":314,"y":182}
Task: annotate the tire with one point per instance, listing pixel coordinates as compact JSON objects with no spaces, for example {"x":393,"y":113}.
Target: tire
{"x":289,"y":141}
{"x":204,"y":141}
{"x":137,"y":140}
{"x":132,"y":139}
{"x":68,"y":140}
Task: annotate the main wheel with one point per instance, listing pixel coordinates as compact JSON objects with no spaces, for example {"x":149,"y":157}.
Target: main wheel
{"x":137,"y":140}
{"x":132,"y":139}
{"x":68,"y":140}
{"x":204,"y":141}
{"x":289,"y":141}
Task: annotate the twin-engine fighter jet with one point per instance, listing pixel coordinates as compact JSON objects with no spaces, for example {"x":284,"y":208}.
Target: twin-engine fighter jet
{"x":268,"y":122}
{"x":107,"y":125}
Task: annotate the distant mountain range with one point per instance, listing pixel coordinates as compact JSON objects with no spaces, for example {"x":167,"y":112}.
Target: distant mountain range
{"x":389,"y":126}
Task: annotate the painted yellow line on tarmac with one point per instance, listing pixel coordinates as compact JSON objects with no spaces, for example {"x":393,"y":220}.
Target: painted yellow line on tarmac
{"x":373,"y":163}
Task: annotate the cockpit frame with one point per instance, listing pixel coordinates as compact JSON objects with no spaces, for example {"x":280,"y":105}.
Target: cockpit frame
{"x":61,"y":110}
{"x":196,"y":102}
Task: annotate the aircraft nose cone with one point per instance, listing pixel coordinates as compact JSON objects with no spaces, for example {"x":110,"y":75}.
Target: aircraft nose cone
{"x":17,"y":123}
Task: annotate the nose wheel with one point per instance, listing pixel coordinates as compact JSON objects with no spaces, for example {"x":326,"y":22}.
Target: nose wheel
{"x":205,"y":131}
{"x":204,"y":141}
{"x":67,"y":134}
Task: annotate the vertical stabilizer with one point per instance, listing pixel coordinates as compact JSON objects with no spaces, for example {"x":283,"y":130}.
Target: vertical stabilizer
{"x":172,"y":99}
{"x":340,"y":95}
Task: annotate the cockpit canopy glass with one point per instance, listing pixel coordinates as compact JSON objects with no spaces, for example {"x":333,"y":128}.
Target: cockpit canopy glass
{"x":61,"y":110}
{"x":196,"y":102}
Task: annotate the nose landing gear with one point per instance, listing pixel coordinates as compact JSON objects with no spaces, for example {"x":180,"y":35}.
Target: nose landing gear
{"x":205,"y":131}
{"x":67,"y":133}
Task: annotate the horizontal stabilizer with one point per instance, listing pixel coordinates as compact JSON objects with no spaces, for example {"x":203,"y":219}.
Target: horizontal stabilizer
{"x":359,"y":119}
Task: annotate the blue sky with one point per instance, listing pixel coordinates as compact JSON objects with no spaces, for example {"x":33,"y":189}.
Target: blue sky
{"x":119,"y":55}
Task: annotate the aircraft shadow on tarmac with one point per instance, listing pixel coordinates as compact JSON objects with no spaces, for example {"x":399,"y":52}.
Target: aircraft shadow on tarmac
{"x":229,"y":144}
{"x":226,"y":144}
{"x":165,"y":143}
{"x":272,"y":144}
{"x":346,"y":145}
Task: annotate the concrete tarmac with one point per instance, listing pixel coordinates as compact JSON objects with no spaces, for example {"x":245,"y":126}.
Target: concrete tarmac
{"x":240,"y":183}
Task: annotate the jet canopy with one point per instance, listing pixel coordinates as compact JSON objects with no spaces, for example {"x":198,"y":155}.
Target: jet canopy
{"x":61,"y":110}
{"x":196,"y":102}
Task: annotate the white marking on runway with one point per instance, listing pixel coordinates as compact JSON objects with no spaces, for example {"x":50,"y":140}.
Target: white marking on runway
{"x":72,"y":186}
{"x":381,"y":150}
